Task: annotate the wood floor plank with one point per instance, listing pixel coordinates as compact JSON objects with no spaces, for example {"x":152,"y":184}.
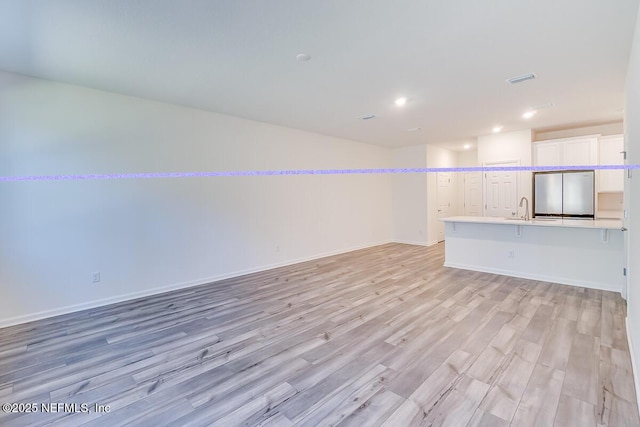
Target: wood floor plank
{"x":557,"y":347}
{"x":504,"y":396}
{"x":537,"y":327}
{"x":374,"y":411}
{"x":256,"y":410}
{"x":540,"y":399}
{"x":493,"y":359}
{"x":459,"y":406}
{"x":408,"y":413}
{"x":616,"y":393}
{"x":622,"y":413}
{"x":589,"y":320}
{"x":337,"y":406}
{"x":612,"y":332}
{"x":582,"y":375}
{"x":571,"y":308}
{"x":380,"y":336}
{"x":485,"y":419}
{"x":441,"y":383}
{"x":573,"y":412}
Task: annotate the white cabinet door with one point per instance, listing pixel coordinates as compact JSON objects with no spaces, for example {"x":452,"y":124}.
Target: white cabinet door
{"x":579,"y":152}
{"x":610,"y":151}
{"x":546,"y":154}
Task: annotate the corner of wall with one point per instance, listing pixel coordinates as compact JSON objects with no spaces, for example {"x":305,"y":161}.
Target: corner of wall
{"x":632,"y":201}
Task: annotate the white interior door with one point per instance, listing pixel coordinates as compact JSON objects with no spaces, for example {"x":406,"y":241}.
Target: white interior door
{"x":444,"y":196}
{"x":501,"y":192}
{"x":473,"y":193}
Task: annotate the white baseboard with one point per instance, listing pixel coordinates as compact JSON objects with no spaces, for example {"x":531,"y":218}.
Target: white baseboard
{"x":541,"y":277}
{"x":416,"y":243}
{"x":11,"y":321}
{"x":634,"y":367}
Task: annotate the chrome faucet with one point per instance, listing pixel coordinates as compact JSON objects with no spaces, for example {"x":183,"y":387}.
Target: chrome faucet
{"x":526,"y":211}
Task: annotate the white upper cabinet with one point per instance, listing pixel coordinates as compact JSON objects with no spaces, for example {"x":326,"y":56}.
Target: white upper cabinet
{"x":580,"y":151}
{"x":546,"y":154}
{"x":610,"y":151}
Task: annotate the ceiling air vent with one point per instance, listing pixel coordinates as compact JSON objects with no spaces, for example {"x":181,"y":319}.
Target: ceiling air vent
{"x":520,"y":79}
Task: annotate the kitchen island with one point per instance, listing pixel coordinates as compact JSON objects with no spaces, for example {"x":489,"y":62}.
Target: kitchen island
{"x":587,"y":253}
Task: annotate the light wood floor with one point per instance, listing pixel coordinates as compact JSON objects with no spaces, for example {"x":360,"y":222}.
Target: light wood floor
{"x":381,"y":336}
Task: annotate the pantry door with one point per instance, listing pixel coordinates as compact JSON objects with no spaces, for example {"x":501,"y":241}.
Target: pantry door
{"x":501,"y":191}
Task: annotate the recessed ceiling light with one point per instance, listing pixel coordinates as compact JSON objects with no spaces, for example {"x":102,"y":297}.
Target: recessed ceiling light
{"x":302,"y":57}
{"x":522,"y":78}
{"x":401,"y":101}
{"x":529,"y":114}
{"x":368,"y":117}
{"x":413,"y":129}
{"x":467,"y":146}
{"x":497,"y":129}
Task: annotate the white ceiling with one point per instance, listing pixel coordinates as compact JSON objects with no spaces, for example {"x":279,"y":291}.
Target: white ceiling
{"x":450,"y":58}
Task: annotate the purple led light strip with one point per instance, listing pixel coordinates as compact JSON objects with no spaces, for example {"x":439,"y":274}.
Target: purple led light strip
{"x":307,"y":172}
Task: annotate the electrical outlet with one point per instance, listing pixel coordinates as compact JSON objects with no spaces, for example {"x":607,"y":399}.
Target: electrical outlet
{"x":95,"y":277}
{"x":510,"y":254}
{"x":278,"y":248}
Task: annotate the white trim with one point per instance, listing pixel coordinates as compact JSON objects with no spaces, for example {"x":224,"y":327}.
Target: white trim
{"x":572,"y":138}
{"x":541,"y":277}
{"x":417,"y":243}
{"x":608,"y":137}
{"x":634,"y":367}
{"x":17,"y":320}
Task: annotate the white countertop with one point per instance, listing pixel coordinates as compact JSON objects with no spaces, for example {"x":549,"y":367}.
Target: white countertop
{"x":605,"y":224}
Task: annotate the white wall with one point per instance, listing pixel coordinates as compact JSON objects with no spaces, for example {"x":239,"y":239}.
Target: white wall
{"x":632,"y":200}
{"x":415,"y":202}
{"x":468,"y":158}
{"x":509,"y":146}
{"x":148,"y":235}
{"x":410,"y":196}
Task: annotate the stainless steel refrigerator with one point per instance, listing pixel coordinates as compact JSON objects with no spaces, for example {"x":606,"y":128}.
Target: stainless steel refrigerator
{"x":564,"y":194}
